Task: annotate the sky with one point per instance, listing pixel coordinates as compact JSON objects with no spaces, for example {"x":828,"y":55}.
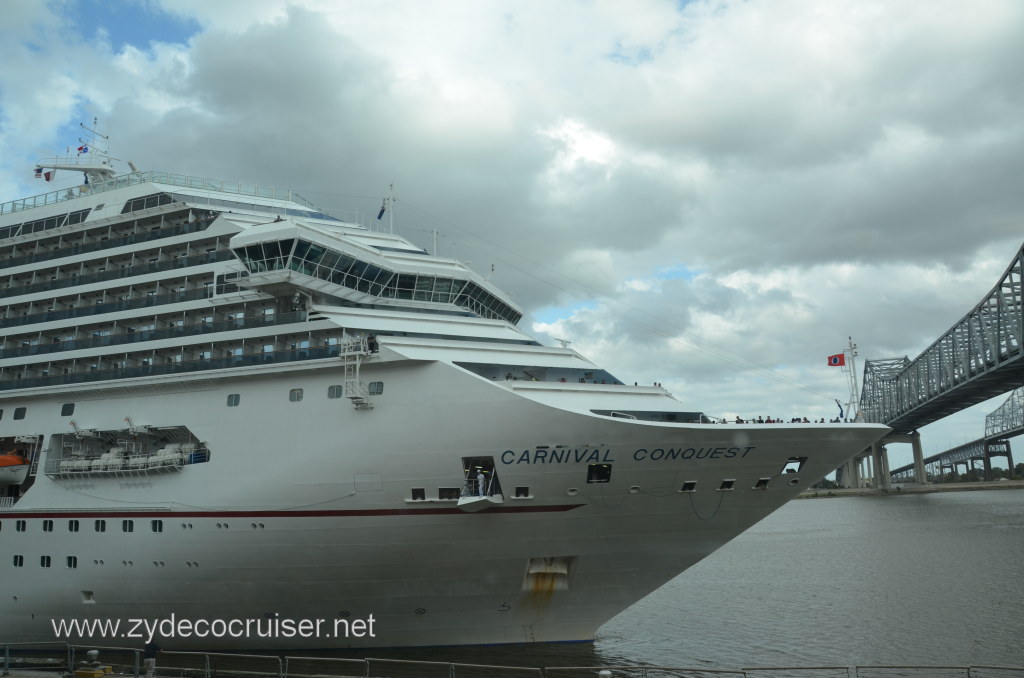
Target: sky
{"x":711,"y":195}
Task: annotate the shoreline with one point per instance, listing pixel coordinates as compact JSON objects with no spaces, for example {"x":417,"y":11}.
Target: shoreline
{"x":913,"y":488}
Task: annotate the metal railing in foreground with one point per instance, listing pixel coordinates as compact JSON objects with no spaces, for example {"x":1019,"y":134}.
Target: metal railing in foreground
{"x":56,"y":658}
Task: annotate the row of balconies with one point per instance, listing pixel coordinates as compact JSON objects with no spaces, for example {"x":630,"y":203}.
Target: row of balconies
{"x":155,"y":261}
{"x":84,"y":238}
{"x":190,"y":323}
{"x":249,"y":352}
{"x":156,"y":293}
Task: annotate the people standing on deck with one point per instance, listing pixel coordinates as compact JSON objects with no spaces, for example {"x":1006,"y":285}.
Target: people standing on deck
{"x":480,"y":483}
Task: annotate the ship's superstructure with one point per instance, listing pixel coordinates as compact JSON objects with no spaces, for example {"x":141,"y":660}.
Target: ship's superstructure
{"x":219,"y":402}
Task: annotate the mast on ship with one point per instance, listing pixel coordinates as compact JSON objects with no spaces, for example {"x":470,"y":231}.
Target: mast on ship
{"x":91,"y":158}
{"x":853,"y":407}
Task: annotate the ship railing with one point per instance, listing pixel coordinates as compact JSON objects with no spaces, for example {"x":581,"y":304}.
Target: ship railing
{"x":322,"y":667}
{"x":61,"y":656}
{"x":134,"y":178}
{"x":401,"y":668}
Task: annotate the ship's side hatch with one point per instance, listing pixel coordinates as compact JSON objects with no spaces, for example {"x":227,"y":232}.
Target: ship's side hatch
{"x":481,"y":488}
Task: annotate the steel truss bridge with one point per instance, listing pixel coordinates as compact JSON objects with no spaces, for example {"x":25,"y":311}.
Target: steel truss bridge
{"x":967,"y":454}
{"x":976,"y":359}
{"x":1003,"y":423}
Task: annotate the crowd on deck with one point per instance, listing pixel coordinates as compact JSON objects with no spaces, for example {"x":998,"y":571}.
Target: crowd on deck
{"x":779,"y":420}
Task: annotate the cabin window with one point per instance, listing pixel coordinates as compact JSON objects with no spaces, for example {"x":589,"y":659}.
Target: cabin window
{"x":376,"y":387}
{"x":448,"y":492}
{"x":19,"y":412}
{"x":727,"y":485}
{"x":72,"y":526}
{"x":234,"y":399}
{"x":72,"y":562}
{"x":44,"y":561}
{"x":336,"y":391}
{"x":127,"y":525}
{"x":157,"y":525}
{"x":20,"y":525}
{"x":100,"y":526}
{"x":295,"y":395}
{"x":599,"y":473}
{"x":522,"y":492}
{"x":419,"y":494}
{"x":762,"y":484}
{"x":19,"y":561}
{"x":689,"y":486}
{"x":1,"y":414}
{"x":47,"y":526}
{"x":67,"y":409}
{"x":794,"y":464}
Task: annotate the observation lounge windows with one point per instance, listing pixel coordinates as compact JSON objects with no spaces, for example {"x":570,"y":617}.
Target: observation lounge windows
{"x":146,"y":202}
{"x":336,"y":267}
{"x":405,"y":285}
{"x":442,"y":290}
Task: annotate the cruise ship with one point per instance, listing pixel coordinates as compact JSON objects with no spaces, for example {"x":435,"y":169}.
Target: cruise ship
{"x":232,"y":420}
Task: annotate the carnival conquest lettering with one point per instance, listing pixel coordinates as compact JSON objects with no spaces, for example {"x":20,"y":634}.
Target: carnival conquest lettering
{"x":658,"y":453}
{"x":590,"y":456}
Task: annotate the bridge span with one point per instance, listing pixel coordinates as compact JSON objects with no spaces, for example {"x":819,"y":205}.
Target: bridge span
{"x":1003,"y":423}
{"x":978,"y":358}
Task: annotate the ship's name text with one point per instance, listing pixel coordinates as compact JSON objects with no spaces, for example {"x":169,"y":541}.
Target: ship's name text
{"x":599,"y":456}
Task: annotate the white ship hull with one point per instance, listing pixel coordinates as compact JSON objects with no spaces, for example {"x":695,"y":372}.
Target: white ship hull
{"x":303,"y":512}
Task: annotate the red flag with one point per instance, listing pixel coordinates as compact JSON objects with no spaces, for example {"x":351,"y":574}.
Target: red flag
{"x":837,"y":360}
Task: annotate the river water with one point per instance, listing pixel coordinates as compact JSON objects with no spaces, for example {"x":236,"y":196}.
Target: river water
{"x":894,"y":579}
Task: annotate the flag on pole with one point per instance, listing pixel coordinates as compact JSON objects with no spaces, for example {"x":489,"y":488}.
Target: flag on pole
{"x":83,"y":149}
{"x":383,"y":206}
{"x":50,"y":175}
{"x":39,"y":173}
{"x":837,"y":360}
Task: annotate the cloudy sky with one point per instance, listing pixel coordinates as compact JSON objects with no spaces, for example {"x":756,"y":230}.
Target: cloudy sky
{"x":713,"y":195}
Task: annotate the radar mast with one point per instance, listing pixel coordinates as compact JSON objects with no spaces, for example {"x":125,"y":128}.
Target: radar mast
{"x":91,"y":158}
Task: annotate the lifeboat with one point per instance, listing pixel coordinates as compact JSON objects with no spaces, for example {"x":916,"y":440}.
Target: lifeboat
{"x":13,"y":468}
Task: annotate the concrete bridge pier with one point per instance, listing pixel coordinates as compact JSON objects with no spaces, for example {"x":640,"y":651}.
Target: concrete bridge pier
{"x":919,"y":472}
{"x":997,"y":448}
{"x":881,"y":465}
{"x":849,"y":473}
